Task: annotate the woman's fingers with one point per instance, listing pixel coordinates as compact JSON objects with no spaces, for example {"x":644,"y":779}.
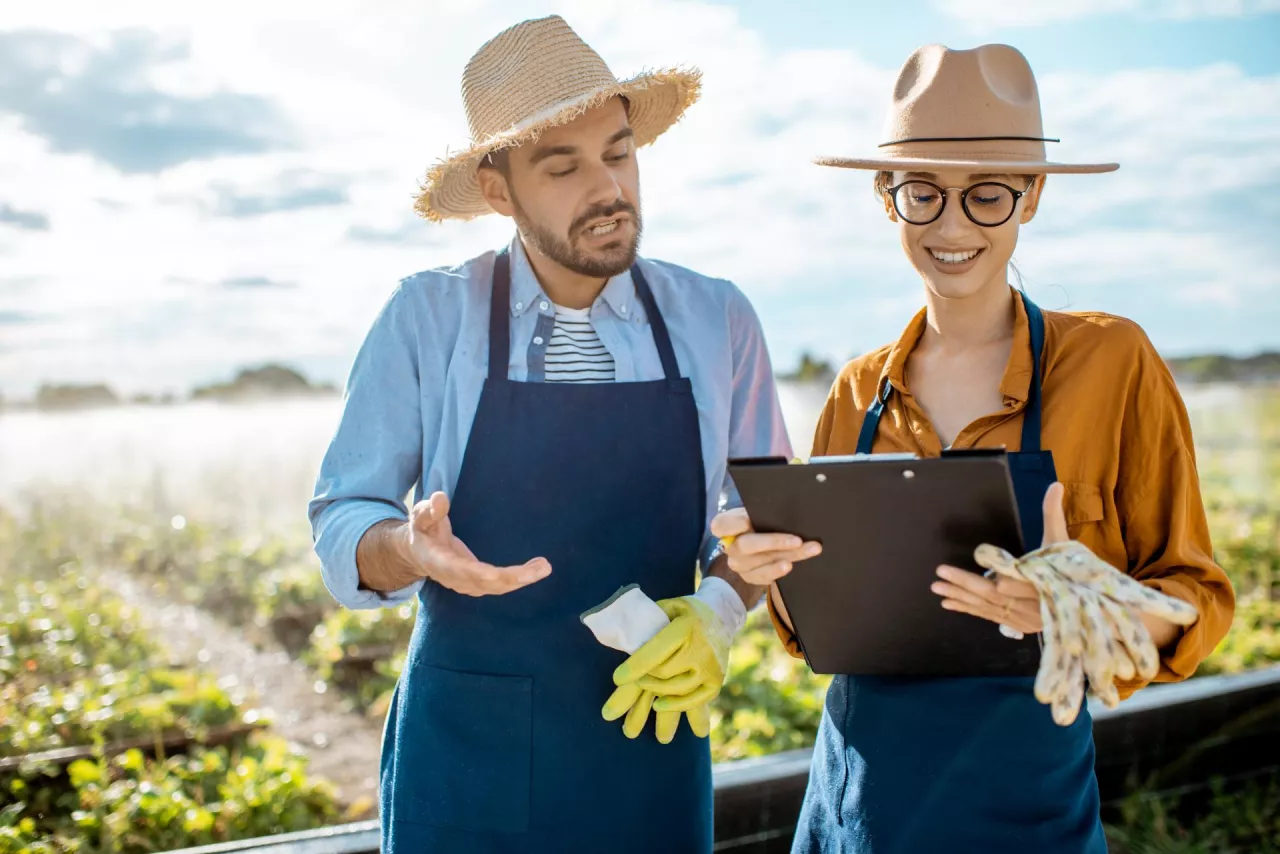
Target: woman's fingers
{"x":1017,"y":589}
{"x":1014,"y":619}
{"x":1055,"y":518}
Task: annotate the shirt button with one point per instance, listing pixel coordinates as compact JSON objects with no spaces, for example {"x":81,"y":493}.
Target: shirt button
{"x":543,"y":305}
{"x":623,"y":309}
{"x":538,"y":340}
{"x":519,"y":306}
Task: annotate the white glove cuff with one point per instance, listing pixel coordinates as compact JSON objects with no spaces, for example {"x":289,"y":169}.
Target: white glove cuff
{"x":718,"y":595}
{"x":626,"y":620}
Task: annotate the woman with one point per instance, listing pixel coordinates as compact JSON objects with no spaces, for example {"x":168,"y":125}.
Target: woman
{"x":924,"y":765}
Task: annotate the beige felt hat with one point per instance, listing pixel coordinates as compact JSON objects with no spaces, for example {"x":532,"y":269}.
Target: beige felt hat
{"x":533,"y":76}
{"x":965,"y":109}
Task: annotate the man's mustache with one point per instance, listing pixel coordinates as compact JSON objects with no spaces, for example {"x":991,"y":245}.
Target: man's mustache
{"x":603,"y":212}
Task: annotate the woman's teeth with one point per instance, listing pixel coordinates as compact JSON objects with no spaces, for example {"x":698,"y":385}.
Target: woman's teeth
{"x":955,"y":257}
{"x":603,"y":228}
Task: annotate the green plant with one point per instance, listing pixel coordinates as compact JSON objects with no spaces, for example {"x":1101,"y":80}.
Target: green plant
{"x":291,"y":601}
{"x":357,"y":651}
{"x":1241,"y":820}
{"x":770,"y":701}
{"x":133,"y":804}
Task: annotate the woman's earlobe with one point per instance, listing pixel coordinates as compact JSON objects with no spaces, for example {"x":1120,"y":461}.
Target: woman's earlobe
{"x":1032,"y":203}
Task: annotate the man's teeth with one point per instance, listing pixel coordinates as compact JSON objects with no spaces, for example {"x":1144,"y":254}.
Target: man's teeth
{"x":955,"y":257}
{"x":604,"y":228}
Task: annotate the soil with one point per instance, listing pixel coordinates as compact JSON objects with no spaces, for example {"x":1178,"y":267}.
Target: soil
{"x":343,"y":746}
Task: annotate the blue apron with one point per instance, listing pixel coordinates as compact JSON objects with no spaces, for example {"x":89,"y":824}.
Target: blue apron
{"x":494,"y":740}
{"x":907,"y":765}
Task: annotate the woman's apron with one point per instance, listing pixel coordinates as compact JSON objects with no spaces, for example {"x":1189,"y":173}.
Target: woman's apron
{"x":494,"y":740}
{"x":910,"y":765}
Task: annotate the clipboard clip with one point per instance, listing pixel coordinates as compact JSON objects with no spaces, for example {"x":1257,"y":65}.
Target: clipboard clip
{"x":863,"y":458}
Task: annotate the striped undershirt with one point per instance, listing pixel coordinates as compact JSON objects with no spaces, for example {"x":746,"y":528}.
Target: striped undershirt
{"x":575,"y":354}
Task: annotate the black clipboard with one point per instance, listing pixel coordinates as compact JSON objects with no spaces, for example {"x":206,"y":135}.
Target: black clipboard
{"x":885,"y":521}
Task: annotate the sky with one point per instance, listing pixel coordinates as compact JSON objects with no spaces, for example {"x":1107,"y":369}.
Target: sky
{"x":190,"y":188}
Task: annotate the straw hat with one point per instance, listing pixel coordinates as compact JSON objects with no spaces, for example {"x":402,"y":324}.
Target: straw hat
{"x":533,"y":76}
{"x":965,"y":109}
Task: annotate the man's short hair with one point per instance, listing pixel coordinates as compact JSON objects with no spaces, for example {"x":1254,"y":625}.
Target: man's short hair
{"x":500,"y":160}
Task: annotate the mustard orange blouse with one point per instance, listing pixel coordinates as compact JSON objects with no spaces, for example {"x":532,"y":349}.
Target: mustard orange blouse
{"x":1121,"y":443}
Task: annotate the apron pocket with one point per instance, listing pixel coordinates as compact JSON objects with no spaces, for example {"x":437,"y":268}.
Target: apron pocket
{"x":464,"y":751}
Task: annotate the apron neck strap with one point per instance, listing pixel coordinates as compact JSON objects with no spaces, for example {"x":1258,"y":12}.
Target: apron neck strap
{"x":500,"y":320}
{"x":871,"y":421}
{"x":1030,"y":417}
{"x":661,"y":337}
{"x":500,"y":317}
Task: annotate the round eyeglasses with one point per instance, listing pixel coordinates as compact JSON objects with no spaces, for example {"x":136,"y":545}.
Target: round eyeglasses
{"x":987,"y":204}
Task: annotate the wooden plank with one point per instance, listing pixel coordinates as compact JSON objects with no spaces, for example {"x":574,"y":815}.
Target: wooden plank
{"x":175,"y":741}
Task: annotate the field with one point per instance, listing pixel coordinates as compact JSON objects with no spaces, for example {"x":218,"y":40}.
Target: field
{"x":174,"y":673}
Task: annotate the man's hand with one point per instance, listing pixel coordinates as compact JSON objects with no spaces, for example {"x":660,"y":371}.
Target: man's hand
{"x":761,"y":559}
{"x":682,"y":667}
{"x":445,"y":559}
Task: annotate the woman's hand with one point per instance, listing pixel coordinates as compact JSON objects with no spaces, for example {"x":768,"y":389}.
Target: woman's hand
{"x":1004,"y":601}
{"x":761,"y":559}
{"x":1007,"y":602}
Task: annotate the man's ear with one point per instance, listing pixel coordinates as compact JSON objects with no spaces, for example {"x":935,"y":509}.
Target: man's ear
{"x":1031,"y":201}
{"x":888,"y":207}
{"x":496,"y":190}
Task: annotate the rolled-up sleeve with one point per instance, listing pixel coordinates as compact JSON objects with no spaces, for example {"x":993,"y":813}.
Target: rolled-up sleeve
{"x":1163,"y":517}
{"x":756,"y":425}
{"x":375,"y":457}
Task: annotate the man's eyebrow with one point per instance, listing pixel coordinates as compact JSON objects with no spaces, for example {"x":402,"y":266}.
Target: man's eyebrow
{"x":541,"y":154}
{"x":625,"y":133}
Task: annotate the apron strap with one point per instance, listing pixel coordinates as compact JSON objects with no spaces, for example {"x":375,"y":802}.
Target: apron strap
{"x":500,"y":317}
{"x":1031,"y":416}
{"x":871,"y":421}
{"x":500,"y":320}
{"x":661,"y":337}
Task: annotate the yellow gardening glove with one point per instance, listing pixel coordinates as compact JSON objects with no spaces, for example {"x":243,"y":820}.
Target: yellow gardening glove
{"x":682,"y":668}
{"x":635,"y":702}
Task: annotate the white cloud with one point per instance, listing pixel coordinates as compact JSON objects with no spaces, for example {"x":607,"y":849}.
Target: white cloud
{"x":128,"y":273}
{"x":986,"y":14}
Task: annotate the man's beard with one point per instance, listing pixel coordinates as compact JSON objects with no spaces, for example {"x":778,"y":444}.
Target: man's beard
{"x":615,"y":258}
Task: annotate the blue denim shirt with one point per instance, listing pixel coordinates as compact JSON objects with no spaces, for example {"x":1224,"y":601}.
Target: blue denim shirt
{"x":415,"y":385}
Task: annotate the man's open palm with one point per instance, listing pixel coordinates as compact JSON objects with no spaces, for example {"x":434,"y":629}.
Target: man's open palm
{"x":442,"y":557}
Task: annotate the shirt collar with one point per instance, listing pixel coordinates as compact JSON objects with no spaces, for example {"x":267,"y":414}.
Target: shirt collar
{"x":1014,"y":385}
{"x":526,"y":291}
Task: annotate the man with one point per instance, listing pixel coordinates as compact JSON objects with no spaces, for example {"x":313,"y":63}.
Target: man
{"x":563,"y":412}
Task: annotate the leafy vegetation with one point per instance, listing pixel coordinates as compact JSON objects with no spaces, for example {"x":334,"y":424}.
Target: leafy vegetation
{"x":80,"y":672}
{"x":77,"y":668}
{"x":133,"y":803}
{"x":1242,"y":820}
